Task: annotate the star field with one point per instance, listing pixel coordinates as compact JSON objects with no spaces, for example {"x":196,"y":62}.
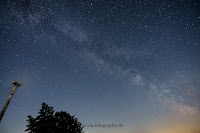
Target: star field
{"x":130,"y":62}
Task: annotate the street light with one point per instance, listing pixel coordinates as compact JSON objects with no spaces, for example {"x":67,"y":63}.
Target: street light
{"x":9,"y":98}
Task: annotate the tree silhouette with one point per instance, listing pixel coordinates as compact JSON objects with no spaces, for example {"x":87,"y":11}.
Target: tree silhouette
{"x":48,"y":122}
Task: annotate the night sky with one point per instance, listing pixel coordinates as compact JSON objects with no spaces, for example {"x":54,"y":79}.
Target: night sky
{"x":134,"y":62}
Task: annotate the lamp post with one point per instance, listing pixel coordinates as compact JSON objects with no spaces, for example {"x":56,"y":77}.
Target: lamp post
{"x":9,"y":98}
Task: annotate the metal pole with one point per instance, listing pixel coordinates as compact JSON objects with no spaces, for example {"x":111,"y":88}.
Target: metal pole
{"x":8,"y":101}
